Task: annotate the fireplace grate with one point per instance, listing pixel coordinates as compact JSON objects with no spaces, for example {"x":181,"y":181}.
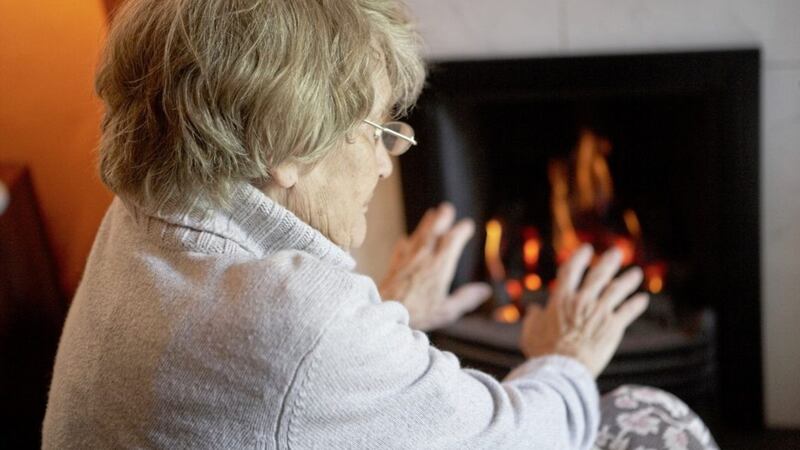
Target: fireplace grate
{"x":650,"y":354}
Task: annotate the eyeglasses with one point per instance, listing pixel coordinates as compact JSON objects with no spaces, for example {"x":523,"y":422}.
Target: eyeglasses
{"x":397,"y":137}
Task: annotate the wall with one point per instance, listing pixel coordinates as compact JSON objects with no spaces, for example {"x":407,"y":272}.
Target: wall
{"x":456,"y":29}
{"x":49,"y":118}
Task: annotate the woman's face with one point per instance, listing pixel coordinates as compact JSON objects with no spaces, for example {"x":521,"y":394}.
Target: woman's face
{"x":332,"y":195}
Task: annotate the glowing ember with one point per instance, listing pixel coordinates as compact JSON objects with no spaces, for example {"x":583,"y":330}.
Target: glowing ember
{"x":533,"y":282}
{"x":506,"y":314}
{"x":530,"y":252}
{"x":632,"y":223}
{"x":514,"y":289}
{"x":494,"y":234}
{"x":655,"y":285}
{"x":627,"y":248}
{"x":654,"y":277}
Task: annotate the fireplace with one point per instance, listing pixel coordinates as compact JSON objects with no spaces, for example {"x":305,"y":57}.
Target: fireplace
{"x":656,"y":154}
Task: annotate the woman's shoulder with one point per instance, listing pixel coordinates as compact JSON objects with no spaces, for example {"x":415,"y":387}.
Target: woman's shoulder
{"x":293,"y":275}
{"x":295,"y":292}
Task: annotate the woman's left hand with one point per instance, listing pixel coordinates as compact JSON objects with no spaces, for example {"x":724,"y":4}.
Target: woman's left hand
{"x":423,"y":266}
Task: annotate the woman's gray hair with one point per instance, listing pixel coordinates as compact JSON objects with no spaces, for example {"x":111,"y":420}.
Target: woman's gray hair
{"x":203,"y":94}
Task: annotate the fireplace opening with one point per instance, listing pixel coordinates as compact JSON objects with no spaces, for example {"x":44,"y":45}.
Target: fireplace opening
{"x":656,"y":155}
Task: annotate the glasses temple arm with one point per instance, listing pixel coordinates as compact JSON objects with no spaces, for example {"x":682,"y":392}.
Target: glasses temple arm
{"x":392,"y":132}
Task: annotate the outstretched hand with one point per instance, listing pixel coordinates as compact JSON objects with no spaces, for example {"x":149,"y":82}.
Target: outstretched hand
{"x":422,"y":268}
{"x":586,"y":320}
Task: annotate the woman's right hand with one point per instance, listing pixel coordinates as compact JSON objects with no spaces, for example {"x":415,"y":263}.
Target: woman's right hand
{"x":585,"y":323}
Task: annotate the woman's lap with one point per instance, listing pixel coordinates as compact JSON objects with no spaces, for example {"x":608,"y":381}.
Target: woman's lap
{"x":643,"y":418}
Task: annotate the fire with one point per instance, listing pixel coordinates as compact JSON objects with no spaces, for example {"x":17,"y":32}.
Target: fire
{"x":581,"y":196}
{"x":632,"y":224}
{"x":581,"y":193}
{"x":593,"y":177}
{"x":565,"y":239}
{"x":530,"y":252}
{"x":494,"y":234}
{"x":628,"y":249}
{"x":514,"y":289}
{"x":507,"y":314}
{"x":654,"y":274}
{"x":591,"y":192}
{"x":655,"y":284}
{"x":533,"y":282}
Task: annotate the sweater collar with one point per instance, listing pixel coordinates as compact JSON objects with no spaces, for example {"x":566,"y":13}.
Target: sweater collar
{"x":254,"y":222}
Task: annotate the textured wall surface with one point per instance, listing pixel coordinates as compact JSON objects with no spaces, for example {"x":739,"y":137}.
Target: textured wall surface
{"x":50,"y":119}
{"x":457,"y":29}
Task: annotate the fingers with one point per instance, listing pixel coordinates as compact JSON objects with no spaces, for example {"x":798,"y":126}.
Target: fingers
{"x":620,"y":289}
{"x":571,"y":272}
{"x":434,"y":223}
{"x":601,"y":274}
{"x":631,"y":309}
{"x":451,"y":246}
{"x":421,"y":244}
{"x":614,"y":294}
{"x":424,"y":224}
{"x":445,"y":216}
{"x":569,"y":277}
{"x":399,"y":252}
{"x":598,"y":278}
{"x":466,"y":298}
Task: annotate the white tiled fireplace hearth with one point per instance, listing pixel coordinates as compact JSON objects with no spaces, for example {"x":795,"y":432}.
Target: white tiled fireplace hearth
{"x":479,"y":29}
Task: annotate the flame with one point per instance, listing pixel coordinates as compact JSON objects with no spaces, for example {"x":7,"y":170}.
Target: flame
{"x":655,"y":284}
{"x":632,"y":224}
{"x":507,"y":314}
{"x":654,"y":274}
{"x":494,"y":234}
{"x":514,"y":289}
{"x":530,"y":252}
{"x":581,"y":192}
{"x":592,"y":175}
{"x":533,"y":282}
{"x":628,"y":249}
{"x":565,"y":239}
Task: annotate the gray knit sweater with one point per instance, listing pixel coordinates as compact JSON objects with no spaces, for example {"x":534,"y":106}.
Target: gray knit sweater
{"x":201,"y":329}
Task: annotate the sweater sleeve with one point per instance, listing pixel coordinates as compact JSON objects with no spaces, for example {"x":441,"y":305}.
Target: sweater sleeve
{"x":373,"y":382}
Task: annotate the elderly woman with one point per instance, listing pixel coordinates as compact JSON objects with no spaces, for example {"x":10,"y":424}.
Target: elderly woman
{"x":219,"y":307}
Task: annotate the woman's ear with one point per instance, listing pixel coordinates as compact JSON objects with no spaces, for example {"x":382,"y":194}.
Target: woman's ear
{"x":286,"y":174}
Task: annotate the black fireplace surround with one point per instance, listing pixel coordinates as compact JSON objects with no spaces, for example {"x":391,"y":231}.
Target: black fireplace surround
{"x":685,"y":134}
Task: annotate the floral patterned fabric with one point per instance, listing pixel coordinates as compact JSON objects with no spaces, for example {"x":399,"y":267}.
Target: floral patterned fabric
{"x":646,"y":418}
